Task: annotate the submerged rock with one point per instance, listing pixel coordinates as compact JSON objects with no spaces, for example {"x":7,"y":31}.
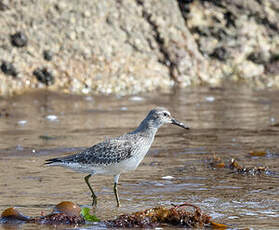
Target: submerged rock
{"x":4,"y":113}
{"x":11,"y":215}
{"x":68,"y":208}
{"x":64,"y":213}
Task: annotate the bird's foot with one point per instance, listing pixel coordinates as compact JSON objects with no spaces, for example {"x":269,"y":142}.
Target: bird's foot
{"x":94,"y":200}
{"x":94,"y":203}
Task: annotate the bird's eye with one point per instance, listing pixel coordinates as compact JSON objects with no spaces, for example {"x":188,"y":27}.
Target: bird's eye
{"x":165,"y":114}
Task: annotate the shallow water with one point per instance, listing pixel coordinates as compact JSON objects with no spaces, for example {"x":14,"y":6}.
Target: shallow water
{"x":228,"y":122}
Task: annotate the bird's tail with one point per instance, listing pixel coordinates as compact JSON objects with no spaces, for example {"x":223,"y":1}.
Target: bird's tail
{"x":53,"y":161}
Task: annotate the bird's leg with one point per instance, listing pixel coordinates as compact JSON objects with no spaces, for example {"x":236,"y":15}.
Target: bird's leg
{"x":116,"y":194}
{"x":94,"y":202}
{"x":116,"y":190}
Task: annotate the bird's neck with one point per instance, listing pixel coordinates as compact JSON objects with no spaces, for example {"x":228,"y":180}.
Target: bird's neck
{"x":147,"y":128}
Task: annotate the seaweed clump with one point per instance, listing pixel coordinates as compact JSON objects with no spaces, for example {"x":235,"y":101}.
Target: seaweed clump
{"x":65,"y":212}
{"x":247,"y":170}
{"x":58,"y":218}
{"x":217,"y":162}
{"x":175,"y":216}
{"x":68,"y":213}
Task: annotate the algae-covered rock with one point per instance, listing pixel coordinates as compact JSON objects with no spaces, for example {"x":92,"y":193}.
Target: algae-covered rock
{"x":128,"y":47}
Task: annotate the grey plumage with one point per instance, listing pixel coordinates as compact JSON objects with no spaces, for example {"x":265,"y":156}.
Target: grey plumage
{"x":110,"y":151}
{"x":117,"y":155}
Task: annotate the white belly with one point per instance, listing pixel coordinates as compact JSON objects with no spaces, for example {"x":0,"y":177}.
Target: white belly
{"x":112,"y":169}
{"x":121,"y":167}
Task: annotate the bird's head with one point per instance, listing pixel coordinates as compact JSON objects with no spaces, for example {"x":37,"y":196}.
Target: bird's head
{"x":160,"y":116}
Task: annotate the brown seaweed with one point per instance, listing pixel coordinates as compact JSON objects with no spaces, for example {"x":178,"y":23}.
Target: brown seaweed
{"x":68,"y":213}
{"x":175,"y":216}
{"x":232,"y":164}
{"x":58,"y":218}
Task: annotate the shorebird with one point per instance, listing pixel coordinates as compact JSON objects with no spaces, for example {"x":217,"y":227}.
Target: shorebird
{"x":120,"y":154}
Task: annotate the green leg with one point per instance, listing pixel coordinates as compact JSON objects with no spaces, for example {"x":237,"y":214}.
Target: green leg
{"x":94,"y":202}
{"x":116,"y":194}
{"x":116,"y":177}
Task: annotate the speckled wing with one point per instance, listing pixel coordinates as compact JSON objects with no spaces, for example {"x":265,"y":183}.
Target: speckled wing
{"x":105,"y":153}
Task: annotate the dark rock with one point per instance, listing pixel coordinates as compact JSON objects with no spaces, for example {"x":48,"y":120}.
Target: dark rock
{"x":4,"y":113}
{"x":202,"y":31}
{"x":274,"y":58}
{"x":185,"y":1}
{"x":218,"y":33}
{"x":47,"y":55}
{"x":219,"y":53}
{"x":184,"y":7}
{"x":230,"y":19}
{"x":44,"y":75}
{"x":214,"y":2}
{"x":8,"y":68}
{"x":257,"y":57}
{"x":272,"y":67}
{"x":47,"y":138}
{"x":3,"y":6}
{"x":19,"y":39}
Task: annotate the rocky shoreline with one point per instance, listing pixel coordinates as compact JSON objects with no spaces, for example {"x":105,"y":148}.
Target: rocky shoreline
{"x":127,"y":47}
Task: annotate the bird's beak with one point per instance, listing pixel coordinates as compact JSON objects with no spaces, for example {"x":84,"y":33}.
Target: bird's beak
{"x":178,"y":123}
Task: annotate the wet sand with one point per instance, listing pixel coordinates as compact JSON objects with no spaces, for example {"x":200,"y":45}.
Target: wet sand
{"x":230,"y":123}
